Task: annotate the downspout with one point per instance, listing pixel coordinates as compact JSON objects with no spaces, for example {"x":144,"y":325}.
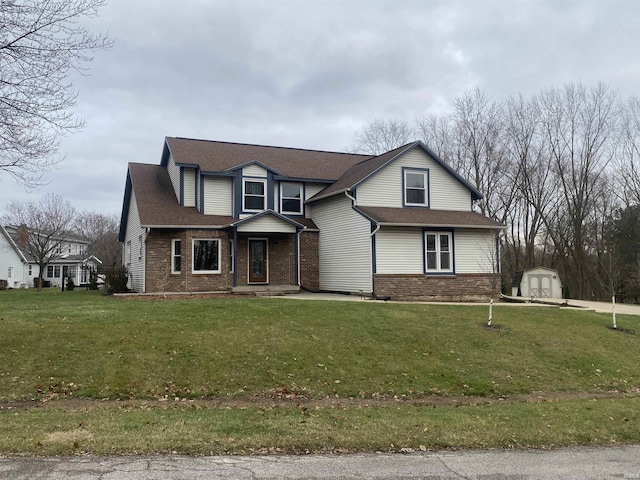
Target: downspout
{"x":147,"y":230}
{"x":355,"y":203}
{"x":373,"y":260}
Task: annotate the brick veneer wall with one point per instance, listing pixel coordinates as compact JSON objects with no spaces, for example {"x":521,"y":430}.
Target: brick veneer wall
{"x":309,"y":261}
{"x":460,"y":287}
{"x":158,"y":276}
{"x":282,"y":259}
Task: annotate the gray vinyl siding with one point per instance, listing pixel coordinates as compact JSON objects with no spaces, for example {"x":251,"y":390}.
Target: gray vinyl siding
{"x":174,"y":175}
{"x":133,"y":233}
{"x":189,"y":185}
{"x":254,"y":171}
{"x":266,"y":223}
{"x":310,"y":189}
{"x":384,"y":188}
{"x":474,"y":251}
{"x":399,"y":251}
{"x":344,"y":246}
{"x":218,"y":196}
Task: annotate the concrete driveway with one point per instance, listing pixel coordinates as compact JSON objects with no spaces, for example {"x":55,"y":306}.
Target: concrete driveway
{"x":601,"y":307}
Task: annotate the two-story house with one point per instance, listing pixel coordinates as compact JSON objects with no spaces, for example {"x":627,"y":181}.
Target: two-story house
{"x":68,"y":259}
{"x":227,"y":216}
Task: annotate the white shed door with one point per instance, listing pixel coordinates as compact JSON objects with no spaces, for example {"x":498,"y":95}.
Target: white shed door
{"x":540,"y":285}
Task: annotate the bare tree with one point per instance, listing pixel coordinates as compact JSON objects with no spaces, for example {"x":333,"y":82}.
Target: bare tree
{"x":41,"y":42}
{"x":628,"y":155}
{"x":44,"y":227}
{"x":102,"y":232}
{"x":380,"y":136}
{"x":578,"y":126}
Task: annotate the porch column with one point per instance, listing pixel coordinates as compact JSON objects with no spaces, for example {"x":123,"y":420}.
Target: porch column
{"x":297,"y":254}
{"x":235,"y":256}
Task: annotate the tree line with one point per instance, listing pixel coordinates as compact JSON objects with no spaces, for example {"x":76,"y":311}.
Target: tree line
{"x":560,"y":169}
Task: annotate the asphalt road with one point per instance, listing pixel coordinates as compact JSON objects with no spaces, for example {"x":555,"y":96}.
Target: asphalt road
{"x":618,"y":463}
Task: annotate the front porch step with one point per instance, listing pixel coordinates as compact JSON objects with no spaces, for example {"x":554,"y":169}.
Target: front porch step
{"x":266,"y":290}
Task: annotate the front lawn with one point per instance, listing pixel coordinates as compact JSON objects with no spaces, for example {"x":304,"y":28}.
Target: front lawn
{"x":247,"y":353}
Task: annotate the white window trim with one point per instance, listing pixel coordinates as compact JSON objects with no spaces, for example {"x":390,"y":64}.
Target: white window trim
{"x":193,"y":247}
{"x":438,"y":252}
{"x":127,"y":252}
{"x":264,"y":196}
{"x":282,"y":197}
{"x":426,"y":188}
{"x":173,"y":255}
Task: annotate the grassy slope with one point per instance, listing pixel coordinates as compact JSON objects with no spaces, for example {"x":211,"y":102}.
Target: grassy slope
{"x":81,"y":344}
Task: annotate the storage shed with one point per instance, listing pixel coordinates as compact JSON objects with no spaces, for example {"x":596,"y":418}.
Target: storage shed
{"x":537,"y":282}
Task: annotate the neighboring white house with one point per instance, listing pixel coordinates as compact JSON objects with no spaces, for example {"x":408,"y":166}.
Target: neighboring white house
{"x":228,"y":216}
{"x":15,"y":267}
{"x":20,"y":269}
{"x":538,"y":282}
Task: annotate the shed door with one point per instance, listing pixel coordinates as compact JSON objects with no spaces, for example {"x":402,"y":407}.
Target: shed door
{"x":540,"y":285}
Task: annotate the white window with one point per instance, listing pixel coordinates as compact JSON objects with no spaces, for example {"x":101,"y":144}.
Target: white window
{"x":141,"y":243}
{"x":127,"y":251}
{"x":10,"y":272}
{"x":254,"y":197}
{"x":30,"y":270}
{"x":291,"y":198}
{"x":438,"y":252}
{"x":176,"y":255}
{"x":415,"y":188}
{"x":206,"y":255}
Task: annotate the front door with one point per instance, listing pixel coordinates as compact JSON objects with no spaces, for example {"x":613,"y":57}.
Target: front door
{"x":257,"y":260}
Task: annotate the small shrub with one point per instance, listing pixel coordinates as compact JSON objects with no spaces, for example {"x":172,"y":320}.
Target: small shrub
{"x":116,"y":279}
{"x":70,"y":284}
{"x":3,"y":284}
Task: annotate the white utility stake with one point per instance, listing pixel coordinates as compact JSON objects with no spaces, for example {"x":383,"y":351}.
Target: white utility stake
{"x":613,"y":310}
{"x":490,"y":311}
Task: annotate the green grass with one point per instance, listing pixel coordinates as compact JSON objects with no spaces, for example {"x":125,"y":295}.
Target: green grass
{"x":82,"y":345}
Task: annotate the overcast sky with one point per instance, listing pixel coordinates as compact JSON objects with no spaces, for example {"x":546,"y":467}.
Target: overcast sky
{"x":309,"y":74}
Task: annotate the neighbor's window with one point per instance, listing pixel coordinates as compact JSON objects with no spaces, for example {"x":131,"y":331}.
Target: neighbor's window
{"x":53,"y":271}
{"x":291,"y":198}
{"x":127,"y":251}
{"x":176,"y":255}
{"x":415,"y":188}
{"x":253,"y":195}
{"x":206,"y":255}
{"x":30,"y":270}
{"x":438,"y":252}
{"x":141,"y":243}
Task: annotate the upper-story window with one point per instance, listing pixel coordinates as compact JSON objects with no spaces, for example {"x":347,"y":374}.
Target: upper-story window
{"x":416,"y":184}
{"x":291,"y":198}
{"x":254,"y":197}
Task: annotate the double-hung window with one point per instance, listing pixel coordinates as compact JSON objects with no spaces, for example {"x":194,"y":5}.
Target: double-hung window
{"x":291,"y":198}
{"x":416,"y":184}
{"x":438,"y":253}
{"x":206,"y":255}
{"x":176,"y":255}
{"x":254,"y":197}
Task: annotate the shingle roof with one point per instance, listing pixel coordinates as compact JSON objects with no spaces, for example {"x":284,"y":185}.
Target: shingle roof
{"x":213,"y":156}
{"x":157,"y":203}
{"x":363,"y":169}
{"x":425,"y":217}
{"x":360,"y":171}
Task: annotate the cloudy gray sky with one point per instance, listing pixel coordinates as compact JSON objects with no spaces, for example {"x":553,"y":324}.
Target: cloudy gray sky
{"x":309,"y":74}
